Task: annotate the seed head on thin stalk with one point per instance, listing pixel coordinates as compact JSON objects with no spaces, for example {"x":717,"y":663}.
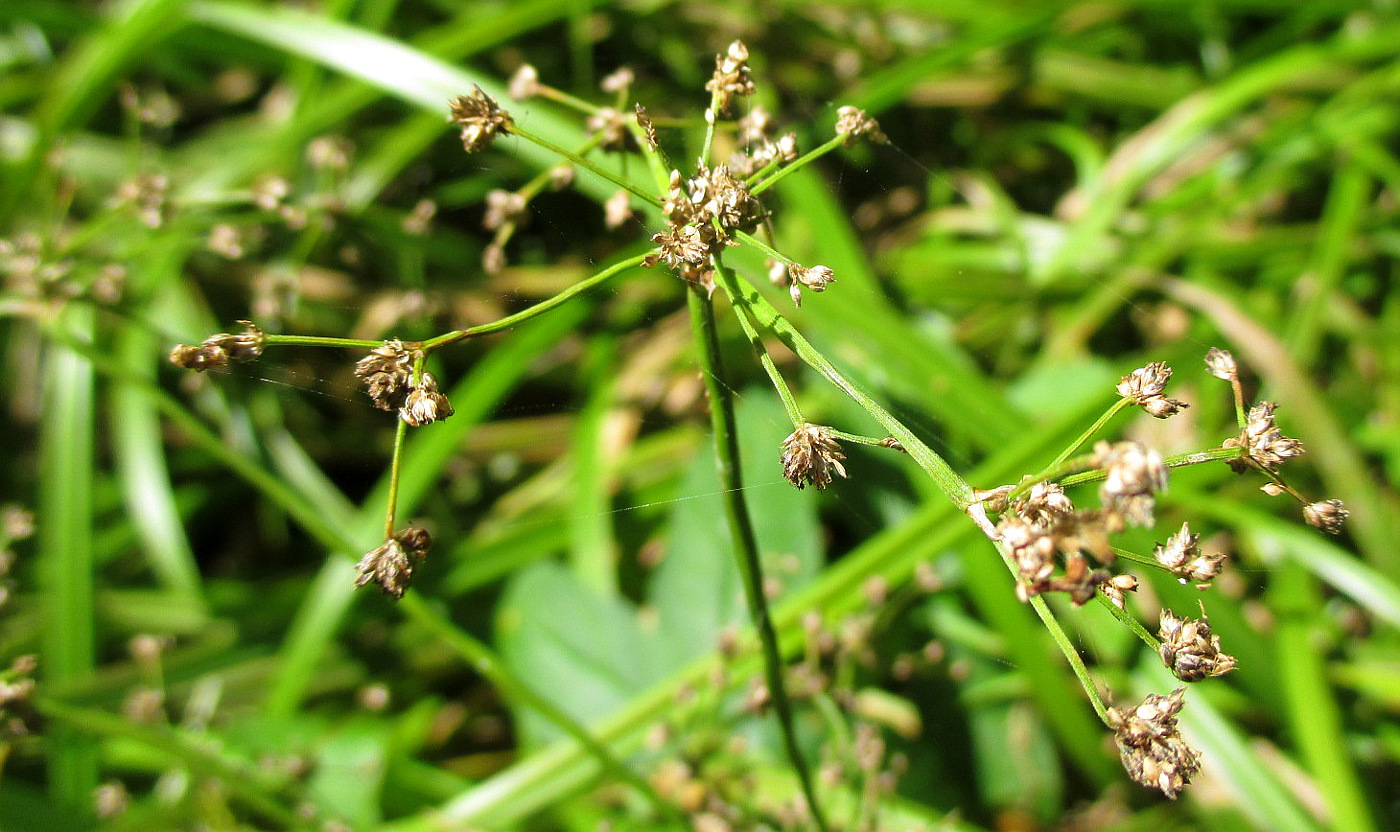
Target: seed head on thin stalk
{"x":525,"y":83}
{"x":619,"y":81}
{"x":1152,"y":749}
{"x":732,"y":78}
{"x":852,"y":123}
{"x":1221,"y":364}
{"x":503,"y":207}
{"x":385,"y":372}
{"x":816,"y":278}
{"x":1190,"y":650}
{"x":1144,"y":387}
{"x":1262,"y":441}
{"x":424,"y":403}
{"x":218,"y":350}
{"x":390,"y":566}
{"x":1327,"y":515}
{"x":1134,"y":473}
{"x":480,"y":118}
{"x":1182,"y":555}
{"x":811,"y":456}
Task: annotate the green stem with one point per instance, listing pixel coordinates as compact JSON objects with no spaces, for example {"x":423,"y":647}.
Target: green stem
{"x":650,"y":199}
{"x":779,"y":383}
{"x":392,"y":504}
{"x":1093,"y":429}
{"x":711,"y":116}
{"x":1131,"y":621}
{"x":538,"y":309}
{"x":746,"y":298}
{"x":798,"y":163}
{"x":1176,"y":461}
{"x":318,"y":341}
{"x":567,"y":99}
{"x":879,"y":441}
{"x":726,"y":440}
{"x":1071,"y":654}
{"x":764,"y":247}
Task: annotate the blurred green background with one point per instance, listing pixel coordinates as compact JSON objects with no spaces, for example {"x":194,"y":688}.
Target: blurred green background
{"x":1071,"y":190}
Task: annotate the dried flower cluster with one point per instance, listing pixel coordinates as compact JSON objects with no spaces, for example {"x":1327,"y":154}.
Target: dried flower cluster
{"x":732,"y":78}
{"x":701,"y":215}
{"x":1150,"y":745}
{"x":424,"y":404}
{"x":1134,"y":473}
{"x":218,"y":350}
{"x":480,"y":118}
{"x":1190,"y":650}
{"x":390,"y":566}
{"x":760,"y":145}
{"x":811,"y":456}
{"x":816,"y":278}
{"x":1327,"y":515}
{"x":1144,"y":387}
{"x":1182,"y":556}
{"x":1262,"y":441}
{"x":853,"y":123}
{"x":385,"y":373}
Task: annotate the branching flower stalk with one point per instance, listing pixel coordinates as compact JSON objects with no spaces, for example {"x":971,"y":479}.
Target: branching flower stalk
{"x":1045,"y":542}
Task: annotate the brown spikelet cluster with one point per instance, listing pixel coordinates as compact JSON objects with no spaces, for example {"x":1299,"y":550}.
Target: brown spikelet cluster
{"x":1152,"y":749}
{"x":732,"y":78}
{"x":390,"y":566}
{"x":480,"y":118}
{"x":811,"y":456}
{"x":853,"y":124}
{"x":1182,"y":556}
{"x":1262,"y":441}
{"x":1144,"y":387}
{"x":760,"y":145}
{"x":424,"y":404}
{"x":217,"y":350}
{"x":385,"y":373}
{"x":701,"y":215}
{"x":1190,"y":650}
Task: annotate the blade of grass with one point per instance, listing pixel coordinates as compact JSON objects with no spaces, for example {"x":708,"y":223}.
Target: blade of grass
{"x":66,"y":439}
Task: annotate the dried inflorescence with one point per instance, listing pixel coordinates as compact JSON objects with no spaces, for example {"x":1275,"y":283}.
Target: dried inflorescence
{"x":617,"y":211}
{"x":760,"y":145}
{"x":1133,"y":474}
{"x":480,"y":118}
{"x":1152,"y":749}
{"x":1262,"y":442}
{"x":812,"y":456}
{"x":1221,"y":364}
{"x":147,"y":195}
{"x":218,"y":350}
{"x":1190,"y":650}
{"x":648,"y":128}
{"x":610,"y":126}
{"x":732,"y":78}
{"x":853,"y":123}
{"x":424,"y":403}
{"x":701,"y":214}
{"x":1327,"y":515}
{"x":1182,"y":555}
{"x":385,"y":372}
{"x":816,"y":278}
{"x":391,"y":565}
{"x":1042,"y":524}
{"x":1144,"y":387}
{"x":524,"y":84}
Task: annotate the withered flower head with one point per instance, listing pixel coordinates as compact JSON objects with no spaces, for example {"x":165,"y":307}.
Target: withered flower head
{"x":561,"y":177}
{"x":616,"y":211}
{"x":1144,"y":387}
{"x":1262,"y":441}
{"x":718,"y":194}
{"x":816,"y":278}
{"x":493,"y":258}
{"x":146,"y":194}
{"x":503,"y":207}
{"x":1221,"y":364}
{"x":385,"y":373}
{"x":1045,"y":503}
{"x":218,"y":350}
{"x":1114,"y":587}
{"x":424,"y":404}
{"x":1328,"y":515}
{"x":1183,"y":556}
{"x":1032,"y":548}
{"x":853,"y":123}
{"x":525,"y":83}
{"x":1190,"y":650}
{"x":391,"y":565}
{"x":1134,"y":473}
{"x":811,"y":456}
{"x":480,"y":118}
{"x":618,"y":81}
{"x":1152,"y":749}
{"x":610,"y":127}
{"x":732,"y":77}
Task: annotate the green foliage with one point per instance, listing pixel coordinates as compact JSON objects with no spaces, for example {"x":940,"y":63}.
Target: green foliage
{"x":1069,"y":193}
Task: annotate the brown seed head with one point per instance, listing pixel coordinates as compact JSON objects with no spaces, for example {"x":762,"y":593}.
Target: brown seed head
{"x":1190,"y":650}
{"x":648,"y":129}
{"x":732,"y":77}
{"x":1152,"y":749}
{"x":811,"y":456}
{"x":385,"y":374}
{"x":853,"y":123}
{"x":616,"y":211}
{"x":618,"y":81}
{"x":391,"y":565}
{"x":610,"y":127}
{"x":1134,"y":473}
{"x":1262,"y":441}
{"x":218,"y":350}
{"x":1114,"y":588}
{"x":1328,"y":515}
{"x":1032,"y":547}
{"x":1044,"y":504}
{"x":1144,"y":387}
{"x":424,"y":404}
{"x":480,"y":118}
{"x":1221,"y":364}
